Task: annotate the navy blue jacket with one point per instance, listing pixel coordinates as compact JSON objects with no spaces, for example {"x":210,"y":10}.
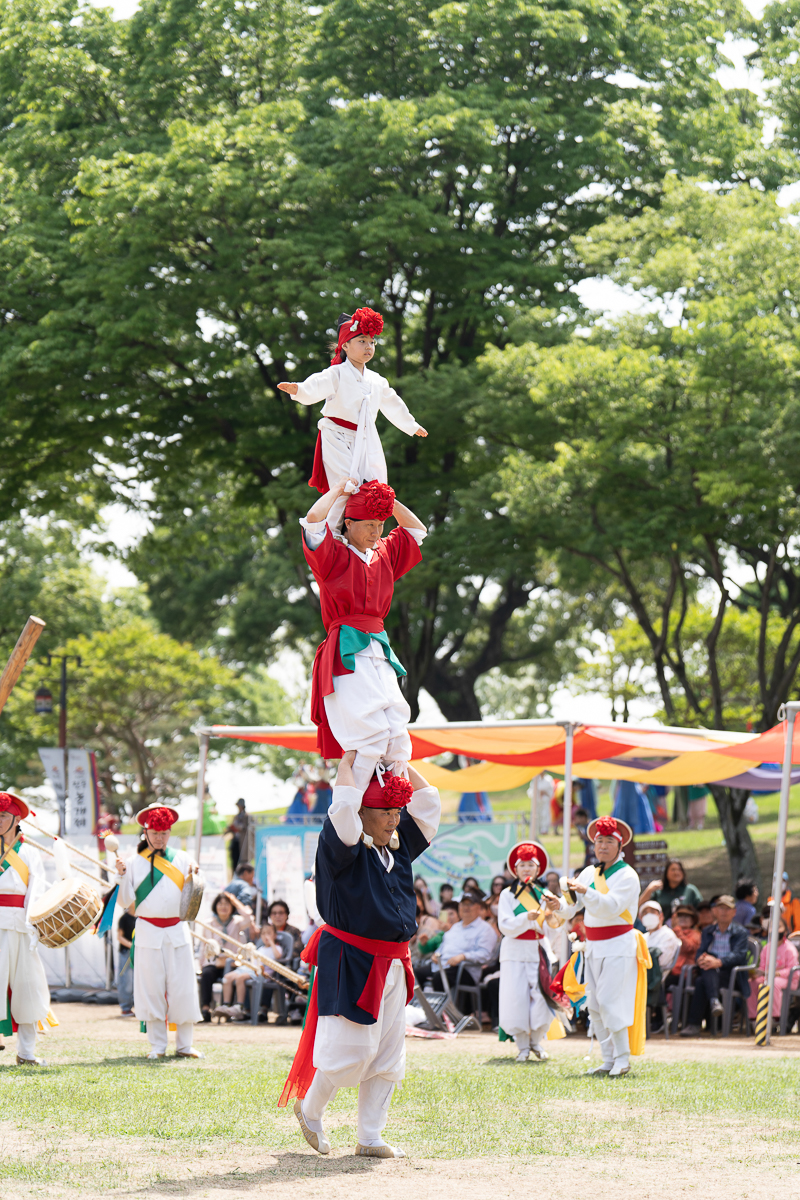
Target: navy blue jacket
{"x":737,"y":956}
{"x":355,"y":893}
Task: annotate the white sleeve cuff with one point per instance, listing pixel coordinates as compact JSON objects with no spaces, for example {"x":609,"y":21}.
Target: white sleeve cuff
{"x":343,"y":813}
{"x":418,"y":535}
{"x":314,"y":532}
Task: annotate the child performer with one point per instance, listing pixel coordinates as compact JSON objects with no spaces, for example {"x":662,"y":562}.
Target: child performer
{"x":356,"y":702}
{"x":348,"y":445}
{"x":526,"y":1008}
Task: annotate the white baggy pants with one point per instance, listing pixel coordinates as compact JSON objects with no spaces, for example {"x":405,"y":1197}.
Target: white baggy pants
{"x":369,"y":1057}
{"x":611,"y":1001}
{"x":165,"y":992}
{"x":21,"y":970}
{"x":351,"y":454}
{"x":524,"y":1013}
{"x":368,"y":713}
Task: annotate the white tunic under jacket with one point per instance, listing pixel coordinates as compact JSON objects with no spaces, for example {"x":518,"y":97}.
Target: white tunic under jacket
{"x":604,"y":910}
{"x":12,"y":885}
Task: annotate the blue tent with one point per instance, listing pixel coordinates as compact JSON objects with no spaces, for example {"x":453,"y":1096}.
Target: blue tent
{"x":474,"y":806}
{"x":631,"y":805}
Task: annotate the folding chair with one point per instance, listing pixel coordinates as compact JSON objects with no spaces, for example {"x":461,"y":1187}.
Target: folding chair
{"x":453,"y":1011}
{"x":791,"y":990}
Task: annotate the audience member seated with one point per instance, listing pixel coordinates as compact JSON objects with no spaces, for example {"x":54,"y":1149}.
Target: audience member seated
{"x":471,"y":884}
{"x":431,"y":906}
{"x":686,"y":927}
{"x":278,"y":914}
{"x":552,"y":881}
{"x":223,"y":920}
{"x":496,"y":887}
{"x":659,"y":936}
{"x":489,"y":917}
{"x":238,"y":976}
{"x":242,"y":886}
{"x":705,"y":916}
{"x":673,"y":890}
{"x":786,"y":961}
{"x":469,"y":941}
{"x":723,"y":946}
{"x":429,"y":944}
{"x":445,"y":893}
{"x":427,"y":927}
{"x":746,"y":896}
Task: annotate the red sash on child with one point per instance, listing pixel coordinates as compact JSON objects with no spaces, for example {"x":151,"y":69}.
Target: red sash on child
{"x":319,"y":479}
{"x":301,"y":1072}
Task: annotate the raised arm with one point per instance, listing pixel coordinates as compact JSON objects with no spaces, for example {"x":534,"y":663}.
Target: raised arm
{"x":406,"y":518}
{"x":314,"y":389}
{"x":321,"y":507}
{"x":425,"y":806}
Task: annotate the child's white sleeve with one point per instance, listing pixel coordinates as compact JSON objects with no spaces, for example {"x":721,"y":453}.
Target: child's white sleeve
{"x":396,"y":410}
{"x":318,"y":387}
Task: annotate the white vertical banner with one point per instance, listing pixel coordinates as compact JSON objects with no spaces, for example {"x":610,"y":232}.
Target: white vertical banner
{"x":53,"y":762}
{"x":285,"y":876}
{"x":80,"y":801}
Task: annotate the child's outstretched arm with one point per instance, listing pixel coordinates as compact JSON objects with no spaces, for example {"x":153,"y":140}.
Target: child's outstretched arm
{"x":396,"y":410}
{"x":313,"y":390}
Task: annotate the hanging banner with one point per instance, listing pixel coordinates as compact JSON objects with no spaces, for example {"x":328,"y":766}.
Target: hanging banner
{"x":53,"y":762}
{"x":461,"y":850}
{"x":82,"y":799}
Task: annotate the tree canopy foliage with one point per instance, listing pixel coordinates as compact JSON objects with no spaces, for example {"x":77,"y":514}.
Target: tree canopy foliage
{"x":191,"y":196}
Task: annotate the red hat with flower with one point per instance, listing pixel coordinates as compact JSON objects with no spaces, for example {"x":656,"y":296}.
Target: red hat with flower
{"x":391,"y":791}
{"x":528,"y":852}
{"x":609,"y":827}
{"x":373,"y":501}
{"x":364,"y":321}
{"x":13,"y":804}
{"x":158,"y":817}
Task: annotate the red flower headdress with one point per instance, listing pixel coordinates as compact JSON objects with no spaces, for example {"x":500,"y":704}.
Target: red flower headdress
{"x":373,"y":501}
{"x":394,"y":791}
{"x":363,"y":321}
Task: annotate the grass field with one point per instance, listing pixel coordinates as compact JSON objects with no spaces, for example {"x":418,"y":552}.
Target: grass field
{"x":100,"y":1120}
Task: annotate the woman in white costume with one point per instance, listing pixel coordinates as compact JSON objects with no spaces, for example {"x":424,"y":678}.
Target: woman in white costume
{"x":348,"y":445}
{"x":23,"y":985}
{"x":164,"y":982}
{"x":526,"y":1013}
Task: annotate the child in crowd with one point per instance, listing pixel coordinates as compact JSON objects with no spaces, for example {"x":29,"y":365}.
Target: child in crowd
{"x":348,"y":445}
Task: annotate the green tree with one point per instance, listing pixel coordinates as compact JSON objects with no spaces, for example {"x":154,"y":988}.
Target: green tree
{"x":212,"y":184}
{"x":135,"y":699}
{"x":663,"y":458}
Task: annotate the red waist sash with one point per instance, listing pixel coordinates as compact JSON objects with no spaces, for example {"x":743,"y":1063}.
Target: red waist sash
{"x":602,"y":933}
{"x":161,"y":922}
{"x":529,"y":935}
{"x":9,"y":900}
{"x":301,"y":1073}
{"x":319,"y":478}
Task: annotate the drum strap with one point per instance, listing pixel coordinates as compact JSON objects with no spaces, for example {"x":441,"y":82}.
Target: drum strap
{"x":12,"y":859}
{"x":162,"y":866}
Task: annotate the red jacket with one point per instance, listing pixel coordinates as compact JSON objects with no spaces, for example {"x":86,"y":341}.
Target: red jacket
{"x":356,"y":594}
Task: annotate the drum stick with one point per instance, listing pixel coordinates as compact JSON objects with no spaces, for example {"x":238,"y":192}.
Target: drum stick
{"x":71,"y":848}
{"x":272,"y":962}
{"x":97,"y":882}
{"x":19,"y":656}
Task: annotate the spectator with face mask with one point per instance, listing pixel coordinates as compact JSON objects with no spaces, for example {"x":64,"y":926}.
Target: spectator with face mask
{"x":659,"y":937}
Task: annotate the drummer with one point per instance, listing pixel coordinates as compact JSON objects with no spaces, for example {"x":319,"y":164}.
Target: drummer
{"x":22,"y":977}
{"x":164,"y":983}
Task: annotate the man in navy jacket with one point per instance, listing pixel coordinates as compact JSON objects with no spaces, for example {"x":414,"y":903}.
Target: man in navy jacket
{"x":723,"y":946}
{"x":365,"y":896}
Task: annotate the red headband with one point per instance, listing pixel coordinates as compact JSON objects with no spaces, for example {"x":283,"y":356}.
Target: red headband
{"x":373,"y":501}
{"x":395,"y":792}
{"x":607,"y":827}
{"x":363,"y":321}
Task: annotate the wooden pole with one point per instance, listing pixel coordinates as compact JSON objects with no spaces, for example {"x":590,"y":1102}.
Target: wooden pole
{"x":19,"y":656}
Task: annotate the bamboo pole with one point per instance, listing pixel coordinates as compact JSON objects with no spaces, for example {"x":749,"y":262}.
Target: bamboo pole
{"x":97,"y":882}
{"x":273,"y":963}
{"x":73,"y":849}
{"x":19,"y":656}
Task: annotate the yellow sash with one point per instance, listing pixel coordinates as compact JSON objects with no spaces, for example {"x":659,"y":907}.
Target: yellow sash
{"x":166,"y":868}
{"x":638,"y":1030}
{"x":14,"y":860}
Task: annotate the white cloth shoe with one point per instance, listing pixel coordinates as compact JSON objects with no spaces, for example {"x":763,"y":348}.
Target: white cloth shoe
{"x":317,"y":1141}
{"x":541,"y":1053}
{"x":384,"y":1151}
{"x":604,"y":1069}
{"x":621,"y":1067}
{"x":523,"y":1056}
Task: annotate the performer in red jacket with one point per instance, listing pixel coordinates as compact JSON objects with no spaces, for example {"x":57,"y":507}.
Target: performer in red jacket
{"x":356,"y":702}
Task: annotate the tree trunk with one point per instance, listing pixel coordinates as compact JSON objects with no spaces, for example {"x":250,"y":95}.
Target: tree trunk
{"x":730,"y":804}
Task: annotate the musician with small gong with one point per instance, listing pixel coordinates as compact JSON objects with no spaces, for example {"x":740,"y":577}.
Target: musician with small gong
{"x":24,"y":995}
{"x":164,"y":983}
{"x":616,"y":954}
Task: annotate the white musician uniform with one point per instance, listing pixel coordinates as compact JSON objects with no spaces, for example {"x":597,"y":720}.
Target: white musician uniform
{"x":524,"y":1012}
{"x":21,"y":968}
{"x":611,"y":959}
{"x":164,"y":979}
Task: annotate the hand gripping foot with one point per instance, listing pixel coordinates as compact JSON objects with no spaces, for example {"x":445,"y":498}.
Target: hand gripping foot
{"x":317,"y":1141}
{"x":379,"y":1151}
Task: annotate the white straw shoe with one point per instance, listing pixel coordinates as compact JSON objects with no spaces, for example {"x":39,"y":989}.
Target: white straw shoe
{"x":379,"y":1151}
{"x":317,"y":1141}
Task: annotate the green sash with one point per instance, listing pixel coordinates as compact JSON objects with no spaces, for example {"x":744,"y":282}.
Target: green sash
{"x":152,"y":877}
{"x":352,"y":640}
{"x":618,"y":865}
